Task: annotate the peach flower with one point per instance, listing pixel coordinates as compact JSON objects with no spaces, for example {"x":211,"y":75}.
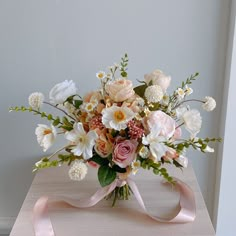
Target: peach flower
{"x":103,"y":147}
{"x":120,"y":90}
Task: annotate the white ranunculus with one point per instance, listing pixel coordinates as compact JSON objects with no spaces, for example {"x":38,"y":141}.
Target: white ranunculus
{"x":209,"y":104}
{"x":158,"y":78}
{"x":78,"y":171}
{"x":60,"y":92}
{"x":192,"y":121}
{"x":45,"y":136}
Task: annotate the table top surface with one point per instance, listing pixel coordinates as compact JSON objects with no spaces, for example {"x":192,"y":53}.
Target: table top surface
{"x":126,"y":218}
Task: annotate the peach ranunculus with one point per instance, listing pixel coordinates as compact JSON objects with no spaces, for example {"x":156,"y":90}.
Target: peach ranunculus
{"x":165,"y":122}
{"x":120,"y":90}
{"x":124,"y":153}
{"x":158,"y":78}
{"x":103,"y":147}
{"x":94,"y":96}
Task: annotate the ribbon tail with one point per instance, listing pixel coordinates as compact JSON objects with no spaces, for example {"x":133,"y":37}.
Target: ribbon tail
{"x":41,"y":220}
{"x":187,"y":212}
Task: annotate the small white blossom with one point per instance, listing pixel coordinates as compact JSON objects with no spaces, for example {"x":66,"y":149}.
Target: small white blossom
{"x":45,"y":136}
{"x":188,"y":90}
{"x":192,"y":121}
{"x":78,"y":171}
{"x":101,"y":75}
{"x":154,"y":93}
{"x":180,"y":92}
{"x":165,"y":100}
{"x":208,"y":149}
{"x":209,"y":104}
{"x":144,"y":152}
{"x":36,"y":100}
{"x":135,"y":165}
{"x":88,"y":106}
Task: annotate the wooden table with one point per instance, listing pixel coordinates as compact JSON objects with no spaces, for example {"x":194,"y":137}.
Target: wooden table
{"x":126,"y":218}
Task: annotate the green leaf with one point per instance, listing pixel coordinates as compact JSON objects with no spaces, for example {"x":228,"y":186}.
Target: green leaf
{"x":99,"y":160}
{"x":140,"y":90}
{"x":106,"y":175}
{"x":78,"y":103}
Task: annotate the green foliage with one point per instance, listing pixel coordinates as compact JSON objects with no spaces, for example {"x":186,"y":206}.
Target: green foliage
{"x":99,"y":160}
{"x":140,"y":90}
{"x":106,"y":175}
{"x":49,"y":117}
{"x":156,"y":168}
{"x":123,"y":66}
{"x":189,"y":80}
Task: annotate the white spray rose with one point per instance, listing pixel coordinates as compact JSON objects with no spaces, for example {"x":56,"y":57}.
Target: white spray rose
{"x":60,"y":92}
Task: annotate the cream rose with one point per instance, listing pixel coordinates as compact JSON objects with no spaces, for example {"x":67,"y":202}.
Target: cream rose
{"x":120,"y":90}
{"x":158,"y":78}
{"x":124,"y":153}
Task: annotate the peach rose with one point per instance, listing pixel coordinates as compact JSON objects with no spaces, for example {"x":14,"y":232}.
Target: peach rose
{"x":124,"y":153}
{"x":103,"y":147}
{"x":158,"y":78}
{"x":165,"y":122}
{"x":120,"y":90}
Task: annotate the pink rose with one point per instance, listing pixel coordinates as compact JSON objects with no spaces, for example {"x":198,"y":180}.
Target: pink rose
{"x":165,"y":122}
{"x":120,"y":90}
{"x":124,"y":153}
{"x":103,"y":147}
{"x":158,"y":78}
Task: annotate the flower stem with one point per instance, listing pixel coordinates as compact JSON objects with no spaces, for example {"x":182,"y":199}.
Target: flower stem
{"x":189,"y":100}
{"x":60,"y":110}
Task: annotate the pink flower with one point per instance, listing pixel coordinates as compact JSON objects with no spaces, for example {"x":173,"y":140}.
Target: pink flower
{"x":178,"y":133}
{"x":103,"y":147}
{"x":165,"y":122}
{"x":158,"y":78}
{"x":124,"y":153}
{"x":120,"y":90}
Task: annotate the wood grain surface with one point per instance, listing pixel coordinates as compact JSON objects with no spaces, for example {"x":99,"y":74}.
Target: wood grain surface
{"x":126,"y":218}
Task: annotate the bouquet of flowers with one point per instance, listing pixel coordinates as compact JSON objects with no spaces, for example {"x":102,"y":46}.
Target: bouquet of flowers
{"x":120,"y":128}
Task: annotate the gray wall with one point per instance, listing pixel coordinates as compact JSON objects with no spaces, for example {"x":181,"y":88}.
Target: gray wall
{"x":45,"y":42}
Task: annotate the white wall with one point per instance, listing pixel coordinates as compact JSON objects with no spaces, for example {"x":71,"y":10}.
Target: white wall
{"x":46,"y":42}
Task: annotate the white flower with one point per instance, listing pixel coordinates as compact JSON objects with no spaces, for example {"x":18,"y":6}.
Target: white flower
{"x":144,"y":152}
{"x":188,"y":90}
{"x":84,"y":142}
{"x":78,"y":171}
{"x":165,"y":100}
{"x":135,"y":165}
{"x":60,"y":92}
{"x":182,"y":160}
{"x":154,"y":93}
{"x":36,"y":100}
{"x":208,"y":149}
{"x":180,"y":92}
{"x":116,"y":117}
{"x":192,"y":121}
{"x":180,"y":111}
{"x":209,"y":104}
{"x":45,"y":136}
{"x":101,"y":75}
{"x":155,"y":142}
{"x":88,"y":106}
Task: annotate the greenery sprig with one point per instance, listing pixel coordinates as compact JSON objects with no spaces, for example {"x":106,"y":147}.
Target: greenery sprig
{"x":123,"y":66}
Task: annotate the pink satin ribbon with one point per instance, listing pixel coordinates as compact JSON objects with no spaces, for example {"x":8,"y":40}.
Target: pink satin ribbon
{"x":187,"y":213}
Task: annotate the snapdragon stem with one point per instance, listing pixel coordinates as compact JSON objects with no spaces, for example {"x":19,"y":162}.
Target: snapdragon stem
{"x":60,"y":110}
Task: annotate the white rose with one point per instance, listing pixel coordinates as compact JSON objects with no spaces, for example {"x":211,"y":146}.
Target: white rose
{"x":158,"y":78}
{"x":60,"y":92}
